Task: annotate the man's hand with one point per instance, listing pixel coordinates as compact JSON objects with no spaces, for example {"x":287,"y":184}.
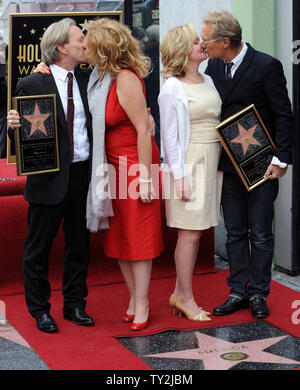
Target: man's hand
{"x":275,"y":172}
{"x":13,"y":119}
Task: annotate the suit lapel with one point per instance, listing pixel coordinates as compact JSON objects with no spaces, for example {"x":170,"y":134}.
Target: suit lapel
{"x":52,"y":88}
{"x":82,"y":81}
{"x":219,"y":79}
{"x":82,"y":84}
{"x":247,"y":61}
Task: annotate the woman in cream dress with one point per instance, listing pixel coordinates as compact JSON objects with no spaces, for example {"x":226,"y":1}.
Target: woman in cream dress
{"x":189,"y":110}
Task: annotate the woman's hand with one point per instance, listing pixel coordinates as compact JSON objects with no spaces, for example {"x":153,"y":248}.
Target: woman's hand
{"x":13,"y":119}
{"x":166,"y":76}
{"x":42,"y":68}
{"x":147,"y":192}
{"x":183,"y":189}
{"x":151,"y":123}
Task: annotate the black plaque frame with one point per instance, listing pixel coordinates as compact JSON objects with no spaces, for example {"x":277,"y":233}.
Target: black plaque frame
{"x":248,"y":145}
{"x":25,"y":33}
{"x":36,"y":143}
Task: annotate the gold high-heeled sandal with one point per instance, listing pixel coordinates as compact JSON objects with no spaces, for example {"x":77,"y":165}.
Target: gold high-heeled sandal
{"x":202,"y":316}
{"x":172,"y":301}
{"x":176,"y":304}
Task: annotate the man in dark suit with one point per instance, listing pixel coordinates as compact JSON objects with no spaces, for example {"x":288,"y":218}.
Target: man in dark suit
{"x":244,"y":76}
{"x":58,"y":196}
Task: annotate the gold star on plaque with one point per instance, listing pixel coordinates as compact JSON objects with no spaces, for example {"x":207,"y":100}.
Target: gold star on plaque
{"x":32,"y":31}
{"x":20,"y":37}
{"x":25,"y":25}
{"x":84,"y":25}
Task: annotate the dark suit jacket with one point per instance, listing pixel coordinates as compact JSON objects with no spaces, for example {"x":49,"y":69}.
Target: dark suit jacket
{"x":3,"y":111}
{"x":51,"y":188}
{"x":258,"y":80}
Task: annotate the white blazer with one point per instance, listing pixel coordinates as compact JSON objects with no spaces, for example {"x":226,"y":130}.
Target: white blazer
{"x":175,"y":124}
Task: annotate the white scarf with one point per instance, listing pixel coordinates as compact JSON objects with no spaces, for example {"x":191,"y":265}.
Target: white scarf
{"x":99,"y":205}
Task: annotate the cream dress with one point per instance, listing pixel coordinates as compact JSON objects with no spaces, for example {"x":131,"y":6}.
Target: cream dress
{"x":201,"y":160}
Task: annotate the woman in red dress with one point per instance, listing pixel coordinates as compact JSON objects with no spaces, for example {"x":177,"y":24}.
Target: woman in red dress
{"x":134,"y":236}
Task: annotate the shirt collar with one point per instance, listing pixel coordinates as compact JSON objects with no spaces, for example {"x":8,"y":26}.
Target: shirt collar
{"x":239,"y":58}
{"x":60,"y":72}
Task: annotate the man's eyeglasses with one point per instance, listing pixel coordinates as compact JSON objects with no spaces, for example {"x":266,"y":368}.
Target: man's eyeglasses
{"x":211,"y":41}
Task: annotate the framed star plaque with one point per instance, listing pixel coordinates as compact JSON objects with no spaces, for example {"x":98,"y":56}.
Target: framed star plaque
{"x":248,"y":145}
{"x":36,"y":140}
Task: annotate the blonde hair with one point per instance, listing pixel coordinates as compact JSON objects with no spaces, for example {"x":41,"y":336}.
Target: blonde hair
{"x":175,"y":48}
{"x":225,"y":26}
{"x":112,"y":46}
{"x":56,"y":34}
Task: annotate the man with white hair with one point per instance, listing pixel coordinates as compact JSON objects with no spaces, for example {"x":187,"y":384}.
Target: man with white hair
{"x":58,"y":196}
{"x":244,"y":76}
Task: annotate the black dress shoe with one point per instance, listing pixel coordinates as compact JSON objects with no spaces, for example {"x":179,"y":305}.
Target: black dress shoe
{"x":230,"y":306}
{"x":78,"y":315}
{"x":46,"y":323}
{"x":259,"y":308}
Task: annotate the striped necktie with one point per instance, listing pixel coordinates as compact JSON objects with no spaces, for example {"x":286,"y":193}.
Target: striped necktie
{"x":228,"y":66}
{"x":70,"y":114}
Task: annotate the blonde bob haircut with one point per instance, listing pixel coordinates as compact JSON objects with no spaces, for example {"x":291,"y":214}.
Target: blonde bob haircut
{"x":111,"y":46}
{"x":175,"y":49}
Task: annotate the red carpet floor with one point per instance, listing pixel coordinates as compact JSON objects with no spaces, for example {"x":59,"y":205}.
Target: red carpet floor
{"x":101,"y":269}
{"x":13,"y":227}
{"x":95,"y":348}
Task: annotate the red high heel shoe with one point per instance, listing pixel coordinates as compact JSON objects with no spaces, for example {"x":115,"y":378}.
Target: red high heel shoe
{"x":128,"y":318}
{"x":140,"y":326}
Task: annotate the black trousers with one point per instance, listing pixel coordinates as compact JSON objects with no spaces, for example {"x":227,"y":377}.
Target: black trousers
{"x":248,"y":218}
{"x":43,"y":224}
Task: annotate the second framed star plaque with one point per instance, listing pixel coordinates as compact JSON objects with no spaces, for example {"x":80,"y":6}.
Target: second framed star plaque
{"x":248,"y":145}
{"x":36,"y":140}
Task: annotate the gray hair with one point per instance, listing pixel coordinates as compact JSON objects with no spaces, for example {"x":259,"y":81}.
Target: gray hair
{"x":56,"y":34}
{"x":153,"y":32}
{"x":225,"y":26}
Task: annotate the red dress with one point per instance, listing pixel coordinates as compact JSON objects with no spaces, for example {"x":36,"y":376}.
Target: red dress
{"x":135,"y":228}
